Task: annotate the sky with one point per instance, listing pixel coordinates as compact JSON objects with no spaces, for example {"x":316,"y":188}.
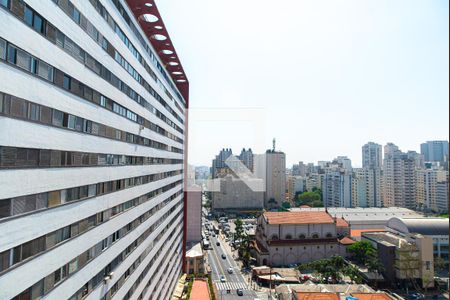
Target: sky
{"x":322,"y":77}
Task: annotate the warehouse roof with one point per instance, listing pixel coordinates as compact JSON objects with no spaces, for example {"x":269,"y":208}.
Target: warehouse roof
{"x":424,"y":226}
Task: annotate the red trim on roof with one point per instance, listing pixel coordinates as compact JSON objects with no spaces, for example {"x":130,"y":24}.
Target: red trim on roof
{"x":140,"y":8}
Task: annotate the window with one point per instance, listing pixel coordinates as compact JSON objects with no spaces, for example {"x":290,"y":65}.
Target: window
{"x":102,"y":101}
{"x":5,"y":208}
{"x":28,"y":16}
{"x":2,"y":47}
{"x":12,"y":54}
{"x":38,"y":23}
{"x":23,"y":60}
{"x":45,"y":71}
{"x":57,"y":119}
{"x":4,"y":3}
{"x":66,"y":82}
{"x":315,"y":236}
{"x":34,"y":112}
{"x":329,"y":235}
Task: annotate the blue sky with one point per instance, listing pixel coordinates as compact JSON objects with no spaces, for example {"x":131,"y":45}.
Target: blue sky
{"x":328,"y":76}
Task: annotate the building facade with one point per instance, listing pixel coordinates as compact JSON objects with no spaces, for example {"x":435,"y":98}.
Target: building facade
{"x":431,"y":186}
{"x":236,"y":194}
{"x":92,"y":148}
{"x":372,"y":156}
{"x":399,"y":182}
{"x":435,"y":151}
{"x":337,"y":185}
{"x":275,"y":178}
{"x":194,"y":215}
{"x":404,"y":258}
{"x":367,"y":187}
{"x":284,"y":238}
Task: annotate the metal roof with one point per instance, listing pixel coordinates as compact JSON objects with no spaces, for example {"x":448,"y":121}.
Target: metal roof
{"x":424,"y":226}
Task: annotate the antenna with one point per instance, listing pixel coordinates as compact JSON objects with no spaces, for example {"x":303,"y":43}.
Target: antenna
{"x":273,"y":144}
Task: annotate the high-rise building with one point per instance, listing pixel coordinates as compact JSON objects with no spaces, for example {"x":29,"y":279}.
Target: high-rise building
{"x":399,"y":173}
{"x":435,"y":151}
{"x":219,"y":162}
{"x":337,"y":185}
{"x":371,"y":156}
{"x":429,"y":192}
{"x":275,"y":178}
{"x":367,"y":187}
{"x":92,"y":141}
{"x":299,"y":169}
{"x":295,"y":184}
{"x":246,"y":157}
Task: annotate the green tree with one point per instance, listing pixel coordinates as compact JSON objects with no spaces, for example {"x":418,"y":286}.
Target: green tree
{"x":239,"y":229}
{"x":313,"y":198}
{"x":332,"y":267}
{"x":354,"y":274}
{"x":286,"y":205}
{"x":361,"y":251}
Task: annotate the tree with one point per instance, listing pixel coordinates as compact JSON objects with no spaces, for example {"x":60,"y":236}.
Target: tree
{"x":286,"y":205}
{"x":313,"y":199}
{"x":361,"y":251}
{"x":239,"y":230}
{"x":374,"y":265}
{"x":326,"y":268}
{"x":354,"y":274}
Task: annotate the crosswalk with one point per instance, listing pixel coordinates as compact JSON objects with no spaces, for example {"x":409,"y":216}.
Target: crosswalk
{"x":231,"y":285}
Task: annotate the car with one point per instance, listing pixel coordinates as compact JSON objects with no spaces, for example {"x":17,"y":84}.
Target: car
{"x":213,"y":235}
{"x":240,"y":292}
{"x":224,"y":256}
{"x":230,"y":270}
{"x":222,"y":278}
{"x":218,"y":244}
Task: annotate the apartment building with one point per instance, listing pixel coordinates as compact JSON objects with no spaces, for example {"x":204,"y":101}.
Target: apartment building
{"x":399,"y":172}
{"x":429,"y":192}
{"x":92,"y":146}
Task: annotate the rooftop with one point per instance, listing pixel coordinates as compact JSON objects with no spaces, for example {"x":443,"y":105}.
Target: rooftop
{"x":364,"y":213}
{"x":298,"y":217}
{"x":200,"y":290}
{"x":425,"y":226}
{"x":153,"y":26}
{"x":358,"y":232}
{"x":346,"y":241}
{"x":372,"y":296}
{"x":316,"y":296}
{"x":340,"y":222}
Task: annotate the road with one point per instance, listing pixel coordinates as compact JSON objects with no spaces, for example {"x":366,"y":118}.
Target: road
{"x":219,"y":266}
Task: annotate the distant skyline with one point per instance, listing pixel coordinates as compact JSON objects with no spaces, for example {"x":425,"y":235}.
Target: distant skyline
{"x":328,"y":76}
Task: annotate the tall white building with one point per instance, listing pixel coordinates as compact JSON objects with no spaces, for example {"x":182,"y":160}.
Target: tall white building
{"x":371,"y":156}
{"x":92,"y":140}
{"x":367,"y":187}
{"x":337,"y":186}
{"x":429,"y":189}
{"x":399,"y":170}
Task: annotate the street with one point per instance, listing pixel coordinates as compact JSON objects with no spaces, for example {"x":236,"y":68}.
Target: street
{"x":219,"y":267}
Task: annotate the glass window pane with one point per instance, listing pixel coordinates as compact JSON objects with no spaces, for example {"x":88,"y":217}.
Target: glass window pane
{"x":58,"y":118}
{"x":2,"y":47}
{"x":28,"y":16}
{"x":11,"y":54}
{"x":23,"y":60}
{"x":38,"y":23}
{"x":4,"y":3}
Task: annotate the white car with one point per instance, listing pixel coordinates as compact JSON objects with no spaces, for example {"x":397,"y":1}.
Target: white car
{"x":230,"y":270}
{"x":222,"y":278}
